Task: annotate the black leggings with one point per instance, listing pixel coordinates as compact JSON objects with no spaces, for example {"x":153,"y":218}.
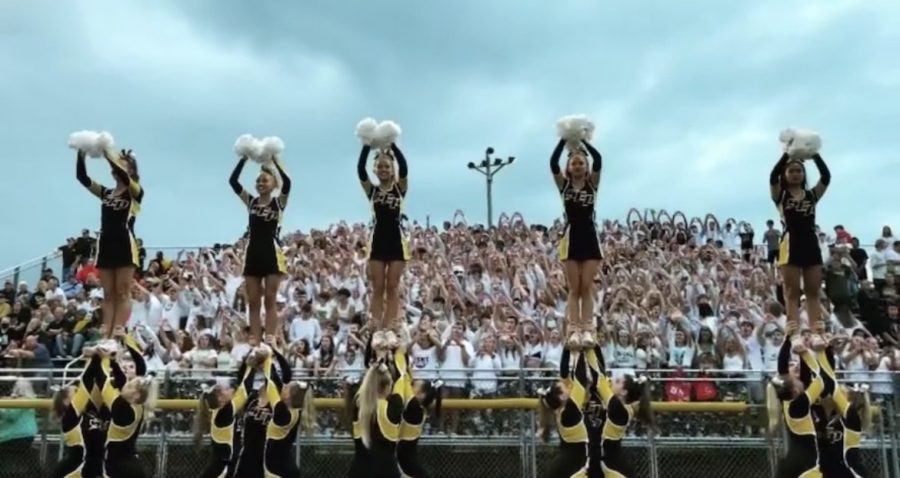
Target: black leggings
{"x":614,"y":460}
{"x":407,"y":456}
{"x":73,"y":459}
{"x":571,"y":458}
{"x":798,"y":465}
{"x":219,"y":461}
{"x":123,"y":467}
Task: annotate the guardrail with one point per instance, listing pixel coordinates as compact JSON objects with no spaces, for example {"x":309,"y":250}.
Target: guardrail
{"x":499,"y":438}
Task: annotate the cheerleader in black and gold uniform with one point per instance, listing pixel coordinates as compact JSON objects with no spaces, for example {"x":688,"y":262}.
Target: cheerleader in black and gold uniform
{"x":117,"y":249}
{"x":216,"y":412}
{"x":388,"y":249}
{"x":379,"y":414}
{"x":789,"y":396}
{"x":264,"y":261}
{"x":799,"y":255}
{"x":564,"y":400}
{"x":287,"y":399}
{"x":579,"y":249}
{"x":126,"y":400}
{"x":624,"y":399}
{"x":840,"y":456}
{"x":414,"y":414}
{"x":594,"y":413}
{"x":69,"y":405}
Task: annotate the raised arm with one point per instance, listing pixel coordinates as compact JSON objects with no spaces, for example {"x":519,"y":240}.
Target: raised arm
{"x":116,"y":160}
{"x":775,"y":177}
{"x":402,"y":170}
{"x":361,"y":170}
{"x":784,"y":357}
{"x":824,"y":176}
{"x":558,"y":177}
{"x":273,"y":383}
{"x":239,"y":399}
{"x":564,"y":364}
{"x":285,"y":182}
{"x":596,"y":163}
{"x":234,"y":181}
{"x":83,"y":178}
{"x":137,"y":355}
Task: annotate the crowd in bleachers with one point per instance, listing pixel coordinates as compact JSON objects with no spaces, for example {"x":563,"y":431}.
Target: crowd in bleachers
{"x":484,"y":304}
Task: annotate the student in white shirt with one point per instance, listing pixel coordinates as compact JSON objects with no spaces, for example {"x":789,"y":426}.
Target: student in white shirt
{"x":424,"y":355}
{"x":454,"y":355}
{"x":305,"y":327}
{"x":486,"y":366}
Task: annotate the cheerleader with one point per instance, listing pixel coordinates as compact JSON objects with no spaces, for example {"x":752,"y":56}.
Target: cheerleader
{"x":264,"y":261}
{"x":594,"y":414}
{"x":840,"y":456}
{"x":579,"y":248}
{"x":624,"y":399}
{"x":117,"y":249}
{"x":216,"y":413}
{"x":127,"y":401}
{"x":286,"y":399}
{"x":257,"y":415}
{"x":564,"y":401}
{"x":379,"y":414}
{"x":799,"y":254}
{"x":69,"y":405}
{"x":796,"y":402}
{"x":359,"y":465}
{"x":414,"y":414}
{"x":388,"y":250}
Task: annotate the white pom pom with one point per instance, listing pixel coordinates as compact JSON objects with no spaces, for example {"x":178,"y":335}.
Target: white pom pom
{"x":386,"y":133}
{"x":575,"y":129}
{"x":805,"y":145}
{"x":91,"y":143}
{"x":271,"y":147}
{"x":786,"y":136}
{"x":248,"y":146}
{"x":365,"y":130}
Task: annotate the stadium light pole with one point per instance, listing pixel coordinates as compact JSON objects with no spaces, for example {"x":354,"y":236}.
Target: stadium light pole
{"x":489,"y":167}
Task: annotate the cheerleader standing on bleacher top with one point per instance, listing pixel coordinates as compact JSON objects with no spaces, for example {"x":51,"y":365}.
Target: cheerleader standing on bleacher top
{"x":264,"y":261}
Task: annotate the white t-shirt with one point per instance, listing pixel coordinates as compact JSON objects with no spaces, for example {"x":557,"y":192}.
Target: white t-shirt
{"x":878,"y":262}
{"x":424,"y":361}
{"x":484,"y":372}
{"x":453,"y":368}
{"x":552,"y":354}
{"x":308,"y":329}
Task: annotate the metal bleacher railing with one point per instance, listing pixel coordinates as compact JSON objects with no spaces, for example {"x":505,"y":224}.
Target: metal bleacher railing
{"x":496,"y":436}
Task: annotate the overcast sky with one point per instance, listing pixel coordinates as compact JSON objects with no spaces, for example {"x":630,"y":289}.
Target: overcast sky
{"x":688,"y":96}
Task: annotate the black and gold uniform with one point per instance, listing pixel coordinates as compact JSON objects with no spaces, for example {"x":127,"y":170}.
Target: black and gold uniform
{"x":263,"y":255}
{"x":618,"y":416}
{"x":75,"y":452}
{"x":281,"y":431}
{"x":802,"y":459}
{"x":839,"y":452}
{"x":221,"y":429}
{"x":594,"y":412}
{"x":116,"y":246}
{"x":572,"y":459}
{"x":121,"y":459}
{"x":799,"y":245}
{"x":385,"y":432}
{"x":94,"y":426}
{"x":410,"y":431}
{"x":580,"y":242}
{"x":388,"y":242}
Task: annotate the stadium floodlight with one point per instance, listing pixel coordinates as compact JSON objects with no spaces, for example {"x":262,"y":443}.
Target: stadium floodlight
{"x":489,"y":167}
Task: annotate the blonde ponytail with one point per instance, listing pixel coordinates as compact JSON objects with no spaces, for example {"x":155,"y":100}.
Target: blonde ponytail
{"x":773,"y":405}
{"x":308,"y":412}
{"x":367,"y":399}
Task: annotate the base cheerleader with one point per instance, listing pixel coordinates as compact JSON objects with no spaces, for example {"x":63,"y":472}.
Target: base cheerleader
{"x":625,"y":399}
{"x":579,"y":248}
{"x":564,"y":401}
{"x":264,"y":261}
{"x":290,"y":401}
{"x":127,"y":401}
{"x":840,"y":455}
{"x":216,"y":414}
{"x":799,"y":255}
{"x":425,"y":394}
{"x":117,"y":249}
{"x":69,"y":405}
{"x":594,"y":413}
{"x":788,"y":396}
{"x":388,"y":249}
{"x":379,"y":415}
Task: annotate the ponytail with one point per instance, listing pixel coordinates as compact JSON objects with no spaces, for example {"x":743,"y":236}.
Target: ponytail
{"x":644,"y":411}
{"x":376,"y":378}
{"x":59,"y":402}
{"x":308,"y":410}
{"x":863,"y":406}
{"x":545,"y":420}
{"x":350,"y":390}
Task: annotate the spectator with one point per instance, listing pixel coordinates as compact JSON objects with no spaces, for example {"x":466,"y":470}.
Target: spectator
{"x":18,"y":429}
{"x":772,"y":239}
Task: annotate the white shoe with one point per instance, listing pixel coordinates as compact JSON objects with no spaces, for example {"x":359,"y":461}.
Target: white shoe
{"x":378,"y":340}
{"x":587,"y":339}
{"x":391,"y":340}
{"x":574,"y":342}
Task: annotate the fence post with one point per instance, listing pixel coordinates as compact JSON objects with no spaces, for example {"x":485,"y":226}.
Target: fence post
{"x":523,"y":454}
{"x":16,"y":275}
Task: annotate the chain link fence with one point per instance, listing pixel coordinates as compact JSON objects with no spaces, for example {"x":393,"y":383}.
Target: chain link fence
{"x":497,"y":443}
